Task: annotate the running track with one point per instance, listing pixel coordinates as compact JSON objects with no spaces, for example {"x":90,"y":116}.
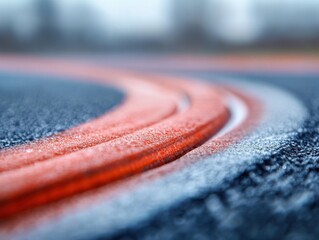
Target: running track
{"x":131,"y":139}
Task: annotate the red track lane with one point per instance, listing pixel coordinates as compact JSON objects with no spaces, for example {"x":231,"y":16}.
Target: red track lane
{"x":107,"y":162}
{"x":217,"y":144}
{"x":125,"y":119}
{"x":31,"y":219}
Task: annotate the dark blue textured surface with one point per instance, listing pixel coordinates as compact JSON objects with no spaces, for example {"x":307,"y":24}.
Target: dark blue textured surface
{"x":277,"y":198}
{"x":32,"y":107}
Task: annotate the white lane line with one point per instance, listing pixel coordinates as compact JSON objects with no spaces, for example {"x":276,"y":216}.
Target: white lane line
{"x":238,"y":113}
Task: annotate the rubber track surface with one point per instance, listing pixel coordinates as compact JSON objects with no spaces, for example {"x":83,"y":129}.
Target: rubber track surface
{"x":274,"y":198}
{"x":107,"y":161}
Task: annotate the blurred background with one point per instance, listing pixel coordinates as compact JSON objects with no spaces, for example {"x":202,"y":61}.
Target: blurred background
{"x":181,"y":25}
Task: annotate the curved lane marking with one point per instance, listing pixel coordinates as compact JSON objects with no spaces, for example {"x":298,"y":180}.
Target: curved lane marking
{"x":241,"y":119}
{"x":106,"y":162}
{"x":140,"y":101}
{"x":146,"y":195}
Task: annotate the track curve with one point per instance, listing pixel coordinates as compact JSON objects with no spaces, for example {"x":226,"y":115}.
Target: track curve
{"x":223,"y":128}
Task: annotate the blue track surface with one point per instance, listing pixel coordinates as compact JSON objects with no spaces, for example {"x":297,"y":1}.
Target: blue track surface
{"x":277,"y":198}
{"x":32,"y":107}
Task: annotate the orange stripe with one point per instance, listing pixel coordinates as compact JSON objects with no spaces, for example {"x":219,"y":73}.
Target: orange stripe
{"x":30,"y":219}
{"x":125,"y":119}
{"x":107,"y":162}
